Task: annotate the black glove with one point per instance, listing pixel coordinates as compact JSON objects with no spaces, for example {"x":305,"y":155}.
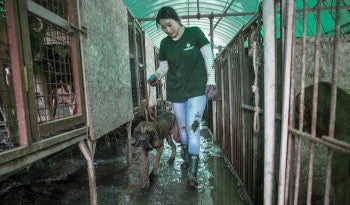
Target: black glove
{"x":210,"y":91}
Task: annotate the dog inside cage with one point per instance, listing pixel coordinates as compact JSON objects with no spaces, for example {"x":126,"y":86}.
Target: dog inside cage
{"x":52,"y":66}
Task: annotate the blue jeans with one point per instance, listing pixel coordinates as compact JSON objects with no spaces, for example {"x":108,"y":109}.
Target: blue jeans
{"x":189,"y":116}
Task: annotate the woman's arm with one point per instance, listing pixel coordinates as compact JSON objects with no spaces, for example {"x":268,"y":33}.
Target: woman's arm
{"x":162,"y":69}
{"x":209,"y":63}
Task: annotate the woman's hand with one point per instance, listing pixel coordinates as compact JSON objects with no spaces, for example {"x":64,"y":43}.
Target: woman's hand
{"x":152,"y":80}
{"x":210,"y":91}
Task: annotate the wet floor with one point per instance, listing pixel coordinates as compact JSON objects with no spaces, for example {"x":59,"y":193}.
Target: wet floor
{"x":120,"y":184}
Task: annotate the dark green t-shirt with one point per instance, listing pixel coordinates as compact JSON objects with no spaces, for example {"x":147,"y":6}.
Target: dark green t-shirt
{"x":186,"y":75}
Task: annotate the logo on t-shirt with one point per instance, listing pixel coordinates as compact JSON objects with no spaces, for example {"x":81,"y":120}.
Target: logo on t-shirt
{"x":188,"y":47}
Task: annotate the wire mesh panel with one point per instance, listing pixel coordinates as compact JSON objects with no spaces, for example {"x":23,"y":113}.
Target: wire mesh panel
{"x":8,"y":122}
{"x":52,"y":70}
{"x":132,"y":54}
{"x":58,"y":7}
{"x":137,"y":63}
{"x":140,"y":42}
{"x":133,"y":83}
{"x":52,"y":65}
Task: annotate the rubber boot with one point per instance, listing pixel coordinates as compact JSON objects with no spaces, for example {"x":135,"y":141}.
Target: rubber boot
{"x":185,"y":157}
{"x":192,"y":171}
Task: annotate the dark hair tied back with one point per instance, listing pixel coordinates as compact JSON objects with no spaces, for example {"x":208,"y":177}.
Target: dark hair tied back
{"x":167,"y":12}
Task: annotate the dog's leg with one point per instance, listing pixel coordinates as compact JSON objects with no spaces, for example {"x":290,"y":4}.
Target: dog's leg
{"x":154,"y":172}
{"x":170,"y":141}
{"x":175,"y":132}
{"x":144,"y":170}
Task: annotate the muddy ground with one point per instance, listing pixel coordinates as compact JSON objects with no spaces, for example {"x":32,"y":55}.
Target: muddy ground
{"x":63,"y":179}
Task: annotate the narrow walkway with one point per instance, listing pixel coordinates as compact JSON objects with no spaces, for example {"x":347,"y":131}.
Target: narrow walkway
{"x":217,"y":184}
{"x":119,"y":184}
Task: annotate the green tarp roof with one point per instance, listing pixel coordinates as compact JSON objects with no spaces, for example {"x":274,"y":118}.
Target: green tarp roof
{"x":225,"y":29}
{"x":228,"y":26}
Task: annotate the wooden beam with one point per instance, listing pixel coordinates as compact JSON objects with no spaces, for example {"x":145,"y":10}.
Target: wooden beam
{"x":13,"y":154}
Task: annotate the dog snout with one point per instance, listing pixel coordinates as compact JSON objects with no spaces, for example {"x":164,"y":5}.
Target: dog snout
{"x":144,"y":144}
{"x":144,"y":139}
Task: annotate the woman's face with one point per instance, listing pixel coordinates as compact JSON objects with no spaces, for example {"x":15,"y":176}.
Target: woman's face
{"x":170,"y":27}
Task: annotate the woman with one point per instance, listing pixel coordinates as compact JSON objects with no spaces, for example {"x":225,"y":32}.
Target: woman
{"x":186,"y":59}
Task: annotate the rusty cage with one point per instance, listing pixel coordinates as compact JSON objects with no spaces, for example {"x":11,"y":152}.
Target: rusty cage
{"x":310,"y":57}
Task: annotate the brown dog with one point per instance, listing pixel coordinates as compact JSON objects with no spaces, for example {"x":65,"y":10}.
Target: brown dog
{"x":150,"y":135}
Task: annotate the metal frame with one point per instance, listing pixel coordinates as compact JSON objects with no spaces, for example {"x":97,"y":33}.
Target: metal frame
{"x":141,"y":98}
{"x":31,"y":148}
{"x":49,"y":127}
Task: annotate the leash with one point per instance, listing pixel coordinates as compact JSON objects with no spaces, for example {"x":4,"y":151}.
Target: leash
{"x":157,"y":84}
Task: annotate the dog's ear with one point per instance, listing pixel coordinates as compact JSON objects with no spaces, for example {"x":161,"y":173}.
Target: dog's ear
{"x":137,"y":130}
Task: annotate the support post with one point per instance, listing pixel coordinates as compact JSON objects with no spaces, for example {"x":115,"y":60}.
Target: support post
{"x":211,"y":18}
{"x":128,"y":149}
{"x":269,"y":96}
{"x":89,"y":156}
{"x":288,"y":46}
